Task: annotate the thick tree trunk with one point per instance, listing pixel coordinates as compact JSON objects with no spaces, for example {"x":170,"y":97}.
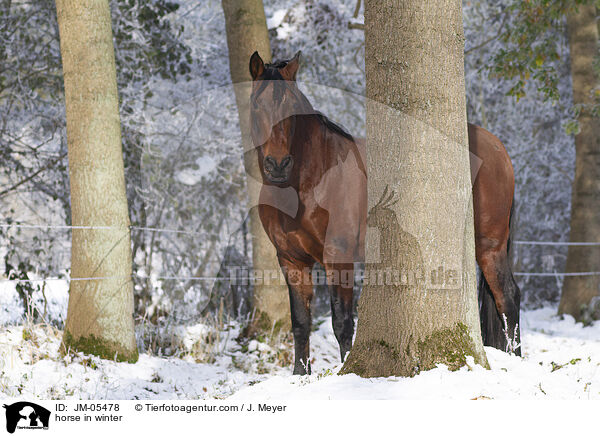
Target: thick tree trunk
{"x":420,"y":204}
{"x":578,"y":291}
{"x":246,"y":33}
{"x":100,"y":312}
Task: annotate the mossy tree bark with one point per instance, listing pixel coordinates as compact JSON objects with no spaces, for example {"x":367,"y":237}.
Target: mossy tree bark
{"x":247,"y":32}
{"x":421,"y":309}
{"x":578,"y":291}
{"x":100,"y":312}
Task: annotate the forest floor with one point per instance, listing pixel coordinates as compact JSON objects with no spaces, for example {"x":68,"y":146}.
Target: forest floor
{"x":561,"y":360}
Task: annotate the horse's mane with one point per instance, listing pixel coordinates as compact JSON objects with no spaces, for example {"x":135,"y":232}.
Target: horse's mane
{"x":272,"y":73}
{"x":277,"y":64}
{"x":336,"y":128}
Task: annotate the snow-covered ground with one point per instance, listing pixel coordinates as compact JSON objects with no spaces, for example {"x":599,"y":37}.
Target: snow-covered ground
{"x":561,"y":361}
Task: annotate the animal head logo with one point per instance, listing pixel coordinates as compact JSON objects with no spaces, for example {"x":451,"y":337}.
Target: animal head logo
{"x":398,"y":249}
{"x":25,"y":415}
{"x":381,"y":214}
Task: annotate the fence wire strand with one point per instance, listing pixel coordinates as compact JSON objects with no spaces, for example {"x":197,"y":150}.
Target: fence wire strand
{"x":195,"y":278}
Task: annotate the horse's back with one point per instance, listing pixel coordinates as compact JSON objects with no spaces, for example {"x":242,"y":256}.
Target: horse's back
{"x":492,"y":153}
{"x":493,"y":185}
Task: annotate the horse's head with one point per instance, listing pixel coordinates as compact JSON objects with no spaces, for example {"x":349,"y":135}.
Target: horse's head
{"x":274,"y":102}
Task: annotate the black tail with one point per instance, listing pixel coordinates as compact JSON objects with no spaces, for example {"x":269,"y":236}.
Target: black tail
{"x":492,"y":323}
{"x":510,"y":229}
{"x":492,"y":326}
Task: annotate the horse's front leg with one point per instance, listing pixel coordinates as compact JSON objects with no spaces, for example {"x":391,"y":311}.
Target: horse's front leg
{"x":299,"y":279}
{"x":340,"y":278}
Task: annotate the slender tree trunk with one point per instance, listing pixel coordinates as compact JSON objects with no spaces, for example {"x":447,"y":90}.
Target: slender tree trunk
{"x":246,"y":33}
{"x":421,"y":309}
{"x":578,"y":291}
{"x":100,"y":312}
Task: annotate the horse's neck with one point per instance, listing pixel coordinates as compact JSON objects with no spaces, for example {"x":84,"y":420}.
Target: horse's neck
{"x":318,"y":146}
{"x":309,"y":143}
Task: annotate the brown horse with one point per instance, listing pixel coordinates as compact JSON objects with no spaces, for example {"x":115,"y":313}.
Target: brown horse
{"x":493,"y":191}
{"x":302,"y":153}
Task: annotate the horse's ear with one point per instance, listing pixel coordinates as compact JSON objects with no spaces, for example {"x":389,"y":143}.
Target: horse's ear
{"x":257,"y":66}
{"x":289,"y":71}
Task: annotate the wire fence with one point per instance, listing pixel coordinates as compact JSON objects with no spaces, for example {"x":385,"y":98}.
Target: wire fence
{"x":208,"y":278}
{"x":147,"y":229}
{"x":556,"y":274}
{"x":79,"y":227}
{"x":76,"y":279}
{"x":557,"y":244}
{"x":560,"y":243}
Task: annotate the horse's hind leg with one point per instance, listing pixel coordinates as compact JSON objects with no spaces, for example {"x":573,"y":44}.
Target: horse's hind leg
{"x":299,"y":280}
{"x":499,"y":298}
{"x":341,"y":285}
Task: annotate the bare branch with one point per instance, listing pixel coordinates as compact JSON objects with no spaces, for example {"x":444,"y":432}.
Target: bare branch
{"x":492,"y":38}
{"x":357,"y":9}
{"x":353,"y":25}
{"x":30,"y":177}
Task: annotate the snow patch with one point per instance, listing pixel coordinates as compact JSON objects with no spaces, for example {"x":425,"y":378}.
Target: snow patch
{"x":561,"y":360}
{"x":276,"y":19}
{"x":191,"y":176}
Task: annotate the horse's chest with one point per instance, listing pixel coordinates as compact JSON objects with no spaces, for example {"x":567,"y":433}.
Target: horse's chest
{"x":289,"y":235}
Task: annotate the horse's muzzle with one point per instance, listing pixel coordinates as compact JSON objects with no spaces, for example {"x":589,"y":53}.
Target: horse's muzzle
{"x":278,"y":173}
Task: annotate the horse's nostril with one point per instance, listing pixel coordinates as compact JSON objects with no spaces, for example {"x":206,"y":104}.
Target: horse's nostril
{"x":270,"y":164}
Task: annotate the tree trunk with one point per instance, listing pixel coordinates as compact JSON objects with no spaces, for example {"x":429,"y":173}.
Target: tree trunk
{"x":100,"y":313}
{"x":578,"y":291}
{"x":246,"y":33}
{"x":419,"y":304}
